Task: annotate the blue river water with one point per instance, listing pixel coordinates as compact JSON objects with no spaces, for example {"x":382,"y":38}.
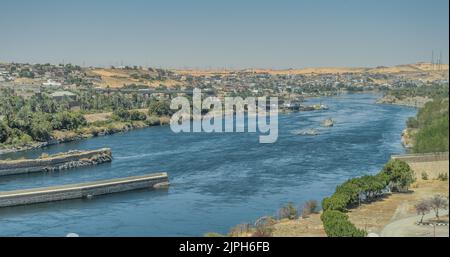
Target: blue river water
{"x":217,"y":180}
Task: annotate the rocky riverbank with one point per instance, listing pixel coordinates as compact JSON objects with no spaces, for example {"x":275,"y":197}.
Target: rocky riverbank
{"x":416,"y":101}
{"x":61,"y":161}
{"x":85,"y":133}
{"x":408,"y":137}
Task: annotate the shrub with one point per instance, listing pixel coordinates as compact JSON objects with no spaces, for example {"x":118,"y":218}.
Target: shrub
{"x":159,"y":108}
{"x":309,"y":208}
{"x":137,"y":115}
{"x":153,"y":121}
{"x":443,"y":176}
{"x":121,"y":114}
{"x":126,"y":115}
{"x":336,"y":224}
{"x":4,"y":132}
{"x":263,"y":230}
{"x":438,"y":202}
{"x":68,"y":120}
{"x":41,"y":129}
{"x":422,"y":208}
{"x":424,"y":176}
{"x":240,"y":230}
{"x":337,"y":202}
{"x":288,"y":212}
{"x":266,"y":220}
{"x":400,"y":174}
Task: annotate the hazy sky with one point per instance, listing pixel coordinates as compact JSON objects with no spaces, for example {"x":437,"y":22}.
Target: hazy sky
{"x":226,"y":33}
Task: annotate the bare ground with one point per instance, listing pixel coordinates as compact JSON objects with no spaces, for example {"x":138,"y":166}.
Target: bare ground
{"x":374,"y":217}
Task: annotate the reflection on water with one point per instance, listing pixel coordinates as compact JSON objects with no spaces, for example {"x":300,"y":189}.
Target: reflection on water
{"x":217,"y":180}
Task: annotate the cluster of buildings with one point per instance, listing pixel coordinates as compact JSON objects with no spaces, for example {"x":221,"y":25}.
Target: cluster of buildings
{"x":68,"y":79}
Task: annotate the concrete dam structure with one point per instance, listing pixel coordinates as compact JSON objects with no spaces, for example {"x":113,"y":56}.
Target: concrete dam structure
{"x":61,"y":161}
{"x":82,"y":190}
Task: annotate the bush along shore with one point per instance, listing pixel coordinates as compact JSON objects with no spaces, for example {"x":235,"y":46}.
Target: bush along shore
{"x":396,"y":176}
{"x":428,"y":131}
{"x":92,"y":130}
{"x":27,"y":130}
{"x":41,"y":120}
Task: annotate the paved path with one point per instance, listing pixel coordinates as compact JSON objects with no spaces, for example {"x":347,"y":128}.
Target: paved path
{"x":407,"y":227}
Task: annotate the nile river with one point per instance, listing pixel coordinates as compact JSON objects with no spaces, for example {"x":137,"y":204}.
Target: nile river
{"x":217,"y":180}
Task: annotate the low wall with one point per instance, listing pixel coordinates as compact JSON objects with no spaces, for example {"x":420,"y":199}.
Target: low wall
{"x":82,"y":190}
{"x":426,"y":157}
{"x":62,"y":161}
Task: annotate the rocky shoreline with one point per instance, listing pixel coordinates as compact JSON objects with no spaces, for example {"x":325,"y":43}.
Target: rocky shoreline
{"x":416,"y":101}
{"x":408,"y":138}
{"x":70,"y":136}
{"x":56,"y":162}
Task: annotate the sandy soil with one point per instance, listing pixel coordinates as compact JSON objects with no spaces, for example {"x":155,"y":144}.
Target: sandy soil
{"x":432,"y":169}
{"x":422,"y":70}
{"x":91,"y":118}
{"x":396,"y":209}
{"x":116,"y":78}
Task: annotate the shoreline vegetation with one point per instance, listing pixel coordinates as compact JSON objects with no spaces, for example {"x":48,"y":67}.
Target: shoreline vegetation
{"x":428,"y":132}
{"x":86,"y":124}
{"x":39,"y":121}
{"x":29,"y":127}
{"x":365,"y":206}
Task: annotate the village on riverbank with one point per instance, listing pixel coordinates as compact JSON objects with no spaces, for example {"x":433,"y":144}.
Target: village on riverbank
{"x":45,"y":104}
{"x":42,"y":105}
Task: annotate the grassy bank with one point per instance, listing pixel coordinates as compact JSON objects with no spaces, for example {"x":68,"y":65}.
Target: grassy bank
{"x":430,"y":126}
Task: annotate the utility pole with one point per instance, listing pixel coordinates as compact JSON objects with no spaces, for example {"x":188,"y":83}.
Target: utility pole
{"x":432,"y":59}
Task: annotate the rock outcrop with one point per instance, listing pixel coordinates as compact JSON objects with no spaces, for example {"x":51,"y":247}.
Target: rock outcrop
{"x":327,"y":123}
{"x":416,"y":101}
{"x":61,"y":161}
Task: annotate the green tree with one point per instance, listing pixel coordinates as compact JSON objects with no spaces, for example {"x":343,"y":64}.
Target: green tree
{"x":400,"y":174}
{"x":159,"y":108}
{"x":41,"y":128}
{"x":336,"y":224}
{"x":4,"y":132}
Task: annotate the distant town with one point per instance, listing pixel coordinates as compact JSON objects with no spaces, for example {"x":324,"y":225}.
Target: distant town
{"x":67,"y":81}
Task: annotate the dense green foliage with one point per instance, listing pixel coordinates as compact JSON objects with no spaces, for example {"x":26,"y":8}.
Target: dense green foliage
{"x":24,"y":125}
{"x":432,"y":124}
{"x":126,"y":115}
{"x":336,"y":224}
{"x":26,"y":119}
{"x":399,"y":174}
{"x":396,"y":175}
{"x":288,"y":212}
{"x":159,"y":108}
{"x":434,"y":90}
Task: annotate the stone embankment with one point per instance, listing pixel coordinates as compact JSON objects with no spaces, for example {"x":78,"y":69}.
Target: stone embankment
{"x":82,"y":190}
{"x":61,"y":161}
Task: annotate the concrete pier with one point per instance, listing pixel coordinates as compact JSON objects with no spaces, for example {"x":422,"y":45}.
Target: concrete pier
{"x":82,"y":190}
